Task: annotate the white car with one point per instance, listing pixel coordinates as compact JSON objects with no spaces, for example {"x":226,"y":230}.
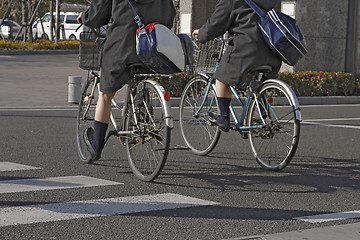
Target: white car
{"x":9,"y":29}
{"x":36,"y":34}
{"x":67,"y":19}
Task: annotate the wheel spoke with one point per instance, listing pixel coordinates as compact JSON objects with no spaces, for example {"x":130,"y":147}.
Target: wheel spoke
{"x":148,"y":146}
{"x":198,"y":135}
{"x":275,"y":144}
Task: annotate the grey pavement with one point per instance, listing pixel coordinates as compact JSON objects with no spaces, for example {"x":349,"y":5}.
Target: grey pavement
{"x":344,"y":232}
{"x":42,"y":81}
{"x":37,"y":80}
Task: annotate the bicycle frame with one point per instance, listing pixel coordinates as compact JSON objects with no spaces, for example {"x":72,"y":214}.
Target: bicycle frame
{"x":238,"y":123}
{"x":270,"y":114}
{"x":119,"y":129}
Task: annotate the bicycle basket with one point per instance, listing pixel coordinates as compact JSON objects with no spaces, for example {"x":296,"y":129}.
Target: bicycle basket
{"x":89,"y":51}
{"x":206,"y":55}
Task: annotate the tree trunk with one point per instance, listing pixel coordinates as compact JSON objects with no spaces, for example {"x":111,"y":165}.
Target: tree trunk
{"x":57,"y":33}
{"x":24,"y":10}
{"x":51,"y":37}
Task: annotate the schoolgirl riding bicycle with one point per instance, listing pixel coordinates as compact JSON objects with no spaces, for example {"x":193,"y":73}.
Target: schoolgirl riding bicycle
{"x":246,"y":50}
{"x":118,"y":53}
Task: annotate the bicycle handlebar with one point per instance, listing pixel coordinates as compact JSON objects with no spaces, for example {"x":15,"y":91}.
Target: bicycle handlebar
{"x":96,"y":32}
{"x":224,"y":40}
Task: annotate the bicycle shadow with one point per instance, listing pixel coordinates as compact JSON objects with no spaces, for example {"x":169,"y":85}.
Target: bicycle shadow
{"x":305,"y":174}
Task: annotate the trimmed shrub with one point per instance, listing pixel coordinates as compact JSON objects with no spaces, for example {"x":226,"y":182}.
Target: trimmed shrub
{"x":310,"y":83}
{"x":39,"y":45}
{"x":319,"y":83}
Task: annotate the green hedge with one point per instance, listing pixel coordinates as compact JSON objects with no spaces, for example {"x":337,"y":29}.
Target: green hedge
{"x":39,"y":45}
{"x":319,"y":83}
{"x":310,"y":83}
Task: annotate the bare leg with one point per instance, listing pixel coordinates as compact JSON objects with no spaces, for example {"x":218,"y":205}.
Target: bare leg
{"x":222,"y":90}
{"x":103,"y":107}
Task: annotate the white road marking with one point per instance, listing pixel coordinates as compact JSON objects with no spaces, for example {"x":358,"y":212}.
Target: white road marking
{"x":95,"y":208}
{"x":46,"y":108}
{"x":330,"y":105}
{"x":332,"y":119}
{"x":330,"y":125}
{"x":52,"y":183}
{"x":10,"y":166}
{"x":330,"y":217}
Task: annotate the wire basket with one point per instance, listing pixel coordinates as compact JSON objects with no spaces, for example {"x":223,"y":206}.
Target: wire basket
{"x":89,"y":51}
{"x":206,"y":55}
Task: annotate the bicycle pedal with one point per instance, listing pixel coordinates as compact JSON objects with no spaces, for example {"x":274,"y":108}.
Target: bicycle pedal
{"x":244,"y":135}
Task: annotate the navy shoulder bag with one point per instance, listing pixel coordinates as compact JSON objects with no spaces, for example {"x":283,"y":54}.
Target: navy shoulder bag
{"x":281,"y":33}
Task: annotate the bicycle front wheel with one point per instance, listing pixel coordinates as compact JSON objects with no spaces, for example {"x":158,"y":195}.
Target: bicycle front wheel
{"x":86,"y":117}
{"x":149,"y":139}
{"x":274,"y":141}
{"x":196,"y":103}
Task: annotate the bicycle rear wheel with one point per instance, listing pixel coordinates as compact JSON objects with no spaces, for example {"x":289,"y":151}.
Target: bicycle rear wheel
{"x":149,"y":141}
{"x":197,"y":133}
{"x":275,"y":144}
{"x":85,"y":117}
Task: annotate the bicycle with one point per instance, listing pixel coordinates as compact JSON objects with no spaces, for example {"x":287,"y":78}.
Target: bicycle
{"x":270,"y":116}
{"x":142,"y":122}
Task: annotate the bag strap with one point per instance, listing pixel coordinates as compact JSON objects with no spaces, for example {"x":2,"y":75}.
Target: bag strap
{"x":136,"y":16}
{"x":255,"y":8}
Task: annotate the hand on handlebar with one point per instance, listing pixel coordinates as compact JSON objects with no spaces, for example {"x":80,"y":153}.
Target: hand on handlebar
{"x":195,"y":34}
{"x":79,"y":18}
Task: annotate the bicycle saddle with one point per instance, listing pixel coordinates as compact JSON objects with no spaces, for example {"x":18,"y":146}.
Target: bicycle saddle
{"x":262,"y":69}
{"x":138,"y":68}
{"x":135,"y":65}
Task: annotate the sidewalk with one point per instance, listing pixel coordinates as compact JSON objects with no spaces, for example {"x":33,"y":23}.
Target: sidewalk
{"x":39,"y":80}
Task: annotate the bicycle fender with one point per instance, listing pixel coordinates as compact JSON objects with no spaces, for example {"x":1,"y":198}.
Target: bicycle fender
{"x":206,"y":76}
{"x":291,"y":93}
{"x":168,"y":118}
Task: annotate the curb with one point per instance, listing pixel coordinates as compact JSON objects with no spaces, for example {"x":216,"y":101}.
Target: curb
{"x":38,"y":52}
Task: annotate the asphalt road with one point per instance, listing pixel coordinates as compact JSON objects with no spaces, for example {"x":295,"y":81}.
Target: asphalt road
{"x":223,"y":195}
{"x":322,"y":178}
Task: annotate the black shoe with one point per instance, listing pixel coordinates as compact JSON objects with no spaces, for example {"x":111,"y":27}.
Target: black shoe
{"x":213,"y":119}
{"x":88,"y":137}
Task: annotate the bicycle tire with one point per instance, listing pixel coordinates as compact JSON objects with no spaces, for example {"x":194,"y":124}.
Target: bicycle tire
{"x":196,"y":131}
{"x":149,"y":141}
{"x":274,"y":145}
{"x":86,"y":117}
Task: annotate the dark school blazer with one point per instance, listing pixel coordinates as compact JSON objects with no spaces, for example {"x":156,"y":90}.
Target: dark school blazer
{"x":119,"y":48}
{"x":248,"y":48}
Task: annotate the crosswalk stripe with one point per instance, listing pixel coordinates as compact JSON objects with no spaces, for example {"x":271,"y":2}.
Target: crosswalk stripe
{"x":51,"y":183}
{"x":95,"y":208}
{"x":330,"y":217}
{"x":11,"y":166}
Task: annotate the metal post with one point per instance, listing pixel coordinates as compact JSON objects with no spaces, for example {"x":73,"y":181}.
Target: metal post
{"x":51,"y":37}
{"x":74,"y":89}
{"x":57,"y":32}
{"x":351,"y":38}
